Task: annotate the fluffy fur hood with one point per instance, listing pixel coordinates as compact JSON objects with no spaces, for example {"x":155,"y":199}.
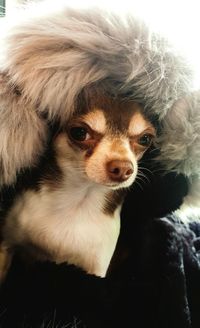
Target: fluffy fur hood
{"x":48,"y":57}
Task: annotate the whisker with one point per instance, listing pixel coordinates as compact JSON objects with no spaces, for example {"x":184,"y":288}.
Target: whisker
{"x":141,"y":179}
{"x":154,"y":149}
{"x":142,"y":175}
{"x":138,"y":184}
{"x":153,"y":170}
{"x":144,"y":168}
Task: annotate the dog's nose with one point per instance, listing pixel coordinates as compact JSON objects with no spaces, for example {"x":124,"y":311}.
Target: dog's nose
{"x":119,"y":170}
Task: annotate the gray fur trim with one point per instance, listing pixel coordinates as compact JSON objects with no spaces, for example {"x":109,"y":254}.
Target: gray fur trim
{"x":180,"y":137}
{"x":46,"y":60}
{"x":190,"y":209}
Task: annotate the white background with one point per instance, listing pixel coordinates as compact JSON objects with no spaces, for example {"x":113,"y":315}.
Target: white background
{"x":178,"y":20}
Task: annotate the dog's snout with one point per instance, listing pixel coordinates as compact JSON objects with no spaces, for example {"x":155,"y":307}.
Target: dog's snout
{"x":119,"y":170}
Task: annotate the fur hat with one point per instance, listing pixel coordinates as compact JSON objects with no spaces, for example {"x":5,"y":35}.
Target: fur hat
{"x":47,"y":57}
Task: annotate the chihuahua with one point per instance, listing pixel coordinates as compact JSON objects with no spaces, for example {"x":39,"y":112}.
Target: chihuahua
{"x":73,"y":213}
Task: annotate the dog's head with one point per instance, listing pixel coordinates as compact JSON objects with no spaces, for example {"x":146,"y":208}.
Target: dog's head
{"x":49,"y":55}
{"x":104,"y":142}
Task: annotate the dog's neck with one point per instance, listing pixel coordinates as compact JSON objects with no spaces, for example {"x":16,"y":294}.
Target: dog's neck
{"x":71,"y":223}
{"x":77,"y":195}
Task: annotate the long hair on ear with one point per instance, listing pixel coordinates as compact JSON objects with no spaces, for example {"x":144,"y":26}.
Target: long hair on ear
{"x":179,"y":143}
{"x":47,"y":57}
{"x":22,"y":132}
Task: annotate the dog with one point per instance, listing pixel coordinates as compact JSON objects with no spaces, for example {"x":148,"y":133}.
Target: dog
{"x":71,"y":212}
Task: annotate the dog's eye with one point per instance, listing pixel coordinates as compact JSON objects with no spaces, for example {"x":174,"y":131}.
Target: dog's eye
{"x":145,"y":140}
{"x":79,"y":133}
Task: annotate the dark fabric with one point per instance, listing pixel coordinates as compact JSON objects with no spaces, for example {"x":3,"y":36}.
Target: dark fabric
{"x":153,"y":280}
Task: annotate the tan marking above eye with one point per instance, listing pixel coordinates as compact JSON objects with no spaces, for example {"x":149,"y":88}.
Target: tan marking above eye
{"x":96,"y":120}
{"x":139,"y":125}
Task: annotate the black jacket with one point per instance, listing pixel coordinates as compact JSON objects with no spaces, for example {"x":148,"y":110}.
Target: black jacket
{"x":153,"y":280}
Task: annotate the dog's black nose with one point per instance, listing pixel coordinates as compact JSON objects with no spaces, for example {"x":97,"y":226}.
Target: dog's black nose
{"x":119,"y":170}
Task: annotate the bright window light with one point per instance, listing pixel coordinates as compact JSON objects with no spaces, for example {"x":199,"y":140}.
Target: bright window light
{"x":179,"y":20}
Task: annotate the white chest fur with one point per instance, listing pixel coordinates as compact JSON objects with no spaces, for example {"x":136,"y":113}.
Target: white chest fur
{"x":68,"y":223}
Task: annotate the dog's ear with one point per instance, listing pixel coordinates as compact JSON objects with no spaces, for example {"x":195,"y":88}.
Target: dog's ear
{"x":180,"y":143}
{"x":22,"y":132}
{"x":180,"y":137}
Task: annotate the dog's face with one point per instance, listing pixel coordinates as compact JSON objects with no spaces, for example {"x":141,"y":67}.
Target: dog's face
{"x":104,"y":144}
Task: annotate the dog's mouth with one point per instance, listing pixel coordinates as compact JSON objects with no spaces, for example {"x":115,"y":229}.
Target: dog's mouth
{"x":112,"y":185}
{"x":119,"y":185}
{"x":113,"y":175}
